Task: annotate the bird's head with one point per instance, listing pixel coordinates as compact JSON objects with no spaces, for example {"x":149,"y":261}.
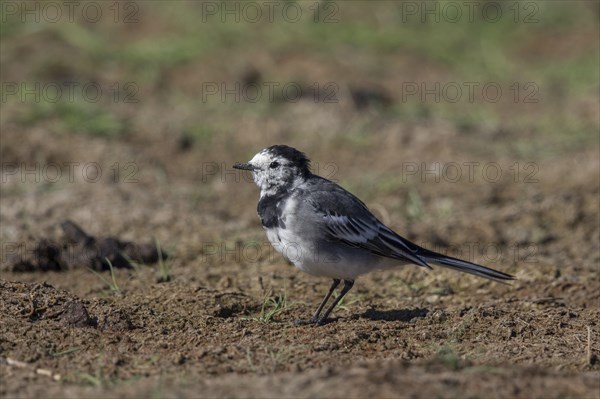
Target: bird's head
{"x":277,"y":168}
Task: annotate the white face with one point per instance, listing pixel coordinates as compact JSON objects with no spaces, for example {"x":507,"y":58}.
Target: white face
{"x":274,"y":173}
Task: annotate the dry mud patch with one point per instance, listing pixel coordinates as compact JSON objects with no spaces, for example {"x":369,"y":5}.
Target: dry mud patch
{"x":204,"y":333}
{"x":186,"y":339}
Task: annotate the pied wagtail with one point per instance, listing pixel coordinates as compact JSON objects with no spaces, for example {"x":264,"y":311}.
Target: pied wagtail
{"x":326,"y":231}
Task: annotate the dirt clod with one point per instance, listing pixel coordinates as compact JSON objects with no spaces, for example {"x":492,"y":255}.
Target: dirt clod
{"x":76,"y":314}
{"x":77,"y":249}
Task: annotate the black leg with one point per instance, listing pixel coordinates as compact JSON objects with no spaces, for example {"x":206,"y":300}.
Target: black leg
{"x":335,"y":283}
{"x":347,"y":286}
{"x":315,"y":317}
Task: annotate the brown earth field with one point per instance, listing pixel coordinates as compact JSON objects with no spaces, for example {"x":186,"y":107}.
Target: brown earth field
{"x":216,"y":317}
{"x":194,"y":302}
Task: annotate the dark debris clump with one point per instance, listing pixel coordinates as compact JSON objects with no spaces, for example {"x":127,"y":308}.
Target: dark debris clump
{"x":76,"y":249}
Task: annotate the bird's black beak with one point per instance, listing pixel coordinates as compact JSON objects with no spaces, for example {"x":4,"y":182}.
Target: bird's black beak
{"x":244,"y":166}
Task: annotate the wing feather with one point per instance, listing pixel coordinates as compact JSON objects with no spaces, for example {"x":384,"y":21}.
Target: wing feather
{"x":346,"y":219}
{"x":369,"y":233}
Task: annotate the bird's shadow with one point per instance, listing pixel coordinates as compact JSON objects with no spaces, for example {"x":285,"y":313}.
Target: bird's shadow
{"x":405,"y":315}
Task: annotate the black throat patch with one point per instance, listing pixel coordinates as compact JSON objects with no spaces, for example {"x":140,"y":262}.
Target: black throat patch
{"x":270,"y":211}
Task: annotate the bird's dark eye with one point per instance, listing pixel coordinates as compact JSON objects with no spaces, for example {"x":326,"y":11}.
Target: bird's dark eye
{"x":274,"y":165}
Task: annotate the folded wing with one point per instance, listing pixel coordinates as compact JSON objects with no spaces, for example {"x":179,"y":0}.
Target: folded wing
{"x":370,"y":234}
{"x":346,"y":219}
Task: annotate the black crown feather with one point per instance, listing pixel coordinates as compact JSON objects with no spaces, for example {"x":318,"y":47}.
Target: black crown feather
{"x":298,"y":158}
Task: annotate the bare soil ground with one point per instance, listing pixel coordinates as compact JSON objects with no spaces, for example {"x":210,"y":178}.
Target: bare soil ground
{"x":223,"y":324}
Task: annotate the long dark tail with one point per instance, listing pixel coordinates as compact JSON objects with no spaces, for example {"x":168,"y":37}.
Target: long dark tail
{"x":464,"y":266}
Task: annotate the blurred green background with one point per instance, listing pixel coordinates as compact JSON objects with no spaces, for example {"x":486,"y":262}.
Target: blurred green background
{"x":164,"y":56}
